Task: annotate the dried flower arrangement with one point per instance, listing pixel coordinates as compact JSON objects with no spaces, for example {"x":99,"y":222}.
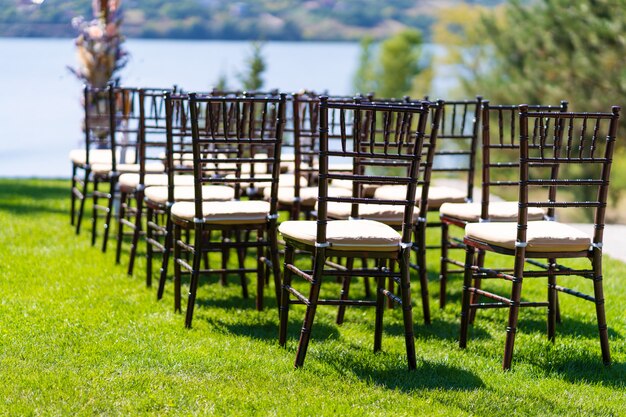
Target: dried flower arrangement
{"x":99,"y":44}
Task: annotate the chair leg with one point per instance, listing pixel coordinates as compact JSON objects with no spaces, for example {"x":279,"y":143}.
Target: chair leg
{"x":390,"y":285}
{"x":465,"y":299}
{"x":284,"y":299}
{"x":136,"y":232}
{"x":109,"y":214}
{"x":305,"y":334}
{"x":480,"y":262}
{"x":168,"y":240}
{"x":177,"y":272}
{"x":598,"y":293}
{"x":423,"y":276}
{"x":124,"y":203}
{"x":241,"y":256}
{"x":149,"y":249}
{"x":73,"y":196}
{"x":551,"y":300}
{"x":407,"y":308}
{"x":380,"y":312}
{"x":516,"y":296}
{"x":81,"y":207}
{"x":195,"y":276}
{"x":260,"y":268}
{"x":94,"y":213}
{"x":443,"y":267}
{"x":557,"y":308}
{"x":345,"y":291}
{"x":275,"y":257}
{"x":226,"y":238}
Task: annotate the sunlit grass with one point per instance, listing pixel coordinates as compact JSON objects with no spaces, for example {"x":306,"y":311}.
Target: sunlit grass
{"x":78,"y":336}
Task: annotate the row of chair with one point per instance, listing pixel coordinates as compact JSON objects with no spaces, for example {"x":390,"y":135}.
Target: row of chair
{"x":199,"y":176}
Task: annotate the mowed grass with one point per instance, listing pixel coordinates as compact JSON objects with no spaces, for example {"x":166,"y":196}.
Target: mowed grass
{"x":80,"y":337}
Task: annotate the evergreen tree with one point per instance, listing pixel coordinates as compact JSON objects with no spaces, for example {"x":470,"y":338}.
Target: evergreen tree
{"x":396,"y":71}
{"x":252,"y":79}
{"x":364,"y":79}
{"x":550,"y":50}
{"x":399,"y":63}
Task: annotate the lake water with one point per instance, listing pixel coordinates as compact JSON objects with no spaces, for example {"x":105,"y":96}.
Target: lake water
{"x":40,"y":112}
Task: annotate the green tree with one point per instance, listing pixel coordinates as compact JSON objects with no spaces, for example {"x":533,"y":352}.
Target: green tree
{"x":396,"y":71}
{"x":550,"y":50}
{"x":364,"y":79}
{"x":252,"y":78}
{"x":399,"y":63}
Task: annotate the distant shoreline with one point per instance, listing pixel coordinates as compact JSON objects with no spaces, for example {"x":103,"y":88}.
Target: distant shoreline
{"x":152,"y":38}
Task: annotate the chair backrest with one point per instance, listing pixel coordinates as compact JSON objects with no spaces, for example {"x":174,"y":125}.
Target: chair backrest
{"x":238,"y":129}
{"x":127,"y":119}
{"x":457,"y":138}
{"x":500,"y":148}
{"x":303,"y":124}
{"x":152,"y":127}
{"x":99,"y":119}
{"x":386,"y":139}
{"x":561,"y":152}
{"x":178,"y":150}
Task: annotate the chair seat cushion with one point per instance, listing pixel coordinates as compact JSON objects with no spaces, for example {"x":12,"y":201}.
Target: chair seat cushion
{"x":131,"y":180}
{"x":437,"y":194}
{"x":384,"y":213}
{"x":368,"y":189}
{"x":308,"y":195}
{"x":284,"y":180}
{"x":158,"y":194}
{"x":542,"y":236}
{"x":96,"y":156}
{"x":225,"y":212}
{"x":499,"y":211}
{"x":345,"y":235}
{"x":153,"y":167}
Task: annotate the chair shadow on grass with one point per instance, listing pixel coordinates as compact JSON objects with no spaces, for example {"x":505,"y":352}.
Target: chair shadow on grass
{"x":585,"y":367}
{"x":587,"y":329}
{"x":37,"y":196}
{"x":266,"y":329}
{"x":394,"y":375}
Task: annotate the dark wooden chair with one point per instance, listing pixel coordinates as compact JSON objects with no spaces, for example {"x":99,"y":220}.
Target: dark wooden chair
{"x":500,"y":162}
{"x":395,"y":151}
{"x":247,"y":127}
{"x":297,"y":194}
{"x":179,"y":187}
{"x":558,"y":152}
{"x":97,"y":149}
{"x":151,"y":146}
{"x":393,"y":217}
{"x":120,"y":106}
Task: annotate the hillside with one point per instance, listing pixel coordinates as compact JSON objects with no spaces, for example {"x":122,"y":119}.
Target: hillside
{"x":243,"y":19}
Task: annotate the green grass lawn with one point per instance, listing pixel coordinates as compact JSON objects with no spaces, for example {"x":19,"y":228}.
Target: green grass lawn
{"x":80,"y":337}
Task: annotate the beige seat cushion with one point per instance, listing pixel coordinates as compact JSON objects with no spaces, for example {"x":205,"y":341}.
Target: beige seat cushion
{"x":388,"y":214}
{"x":308,"y":195}
{"x":368,"y":189}
{"x":542,"y":236}
{"x":345,"y":235}
{"x":284,"y":180}
{"x":437,"y":194}
{"x":131,"y":180}
{"x":158,"y":194}
{"x":96,"y":156}
{"x":152,"y":167}
{"x":499,"y":211}
{"x":225,"y":212}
